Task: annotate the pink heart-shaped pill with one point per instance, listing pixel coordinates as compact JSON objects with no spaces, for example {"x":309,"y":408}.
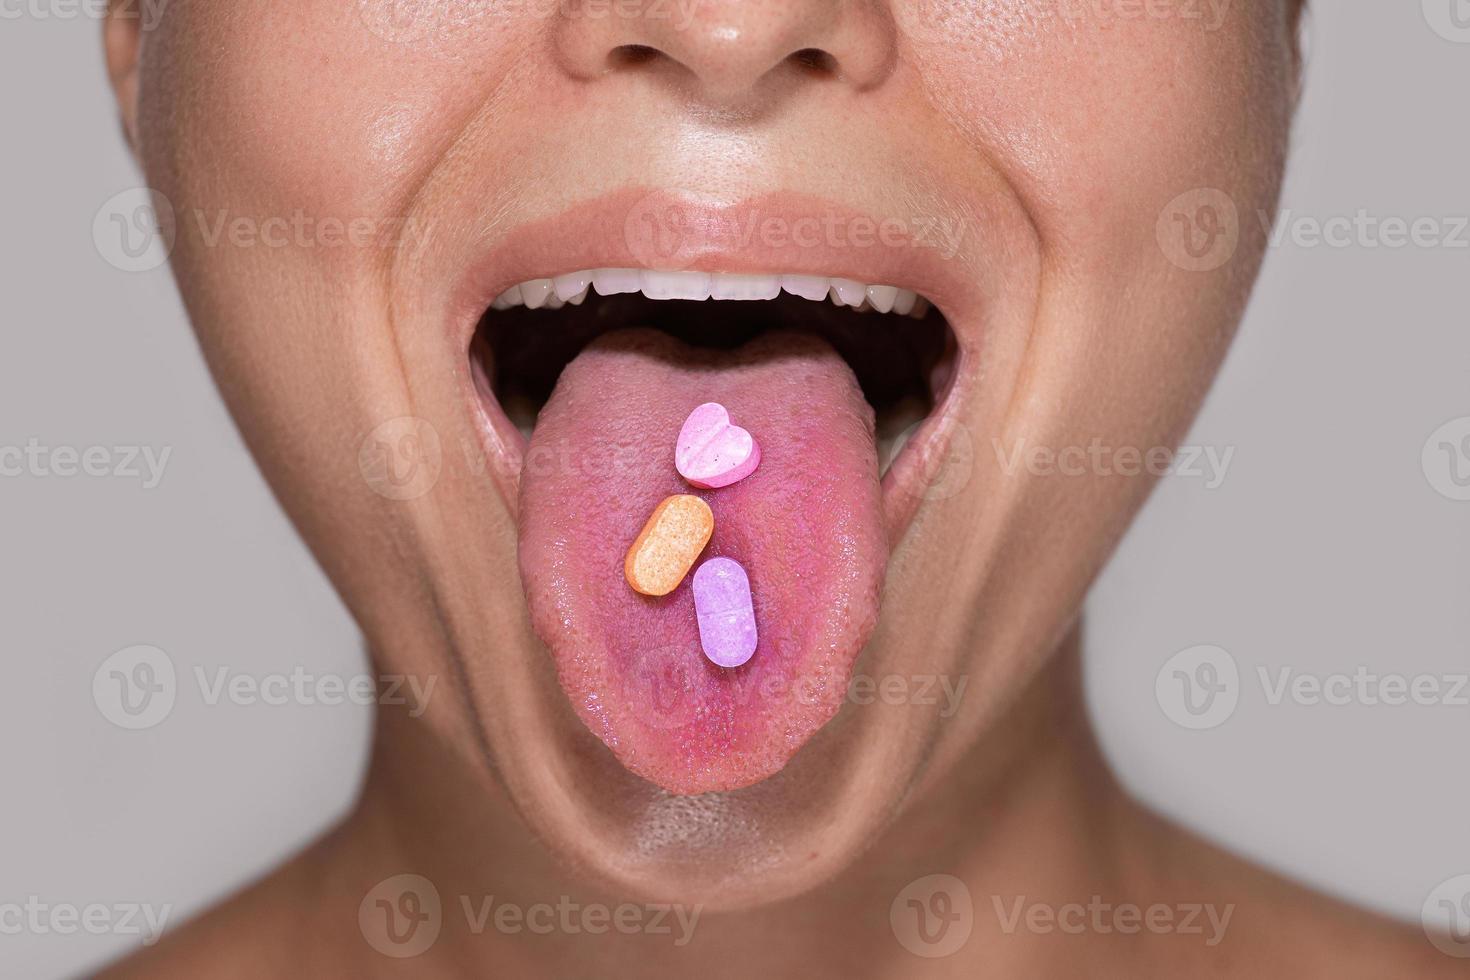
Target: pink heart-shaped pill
{"x":712,"y":453}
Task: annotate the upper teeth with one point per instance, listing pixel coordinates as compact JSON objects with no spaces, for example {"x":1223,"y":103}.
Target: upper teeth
{"x":572,"y":288}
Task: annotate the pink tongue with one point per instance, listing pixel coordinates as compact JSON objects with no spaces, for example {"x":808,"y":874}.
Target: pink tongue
{"x":807,"y":526}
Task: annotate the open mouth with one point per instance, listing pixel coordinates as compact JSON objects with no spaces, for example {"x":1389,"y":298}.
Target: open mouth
{"x":589,"y":376}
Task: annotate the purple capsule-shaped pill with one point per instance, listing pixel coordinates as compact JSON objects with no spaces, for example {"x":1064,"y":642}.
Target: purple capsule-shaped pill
{"x":726,"y":616}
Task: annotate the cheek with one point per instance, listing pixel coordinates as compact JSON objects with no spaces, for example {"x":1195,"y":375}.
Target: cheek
{"x":328,"y":106}
{"x":1100,"y":113}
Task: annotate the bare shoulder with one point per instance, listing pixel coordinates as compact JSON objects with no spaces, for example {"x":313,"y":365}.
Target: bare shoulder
{"x":1278,"y":927}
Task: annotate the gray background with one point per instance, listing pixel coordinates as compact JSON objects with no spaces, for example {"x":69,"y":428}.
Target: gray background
{"x":1327,"y":547}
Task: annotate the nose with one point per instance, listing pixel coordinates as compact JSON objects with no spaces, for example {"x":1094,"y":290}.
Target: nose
{"x":728,"y":53}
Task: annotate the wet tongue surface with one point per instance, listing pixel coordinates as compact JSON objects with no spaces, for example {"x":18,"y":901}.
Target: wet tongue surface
{"x":807,"y":526}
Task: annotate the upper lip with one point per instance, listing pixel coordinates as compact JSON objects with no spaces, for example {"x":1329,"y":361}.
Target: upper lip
{"x":784,"y":232}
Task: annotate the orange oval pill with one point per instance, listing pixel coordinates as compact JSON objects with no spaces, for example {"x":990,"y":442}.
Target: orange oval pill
{"x":666,"y":548}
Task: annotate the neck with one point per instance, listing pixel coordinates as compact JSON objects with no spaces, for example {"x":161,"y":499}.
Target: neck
{"x":1030,"y":810}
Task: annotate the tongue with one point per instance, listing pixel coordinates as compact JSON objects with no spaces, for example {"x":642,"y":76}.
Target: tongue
{"x":807,"y":527}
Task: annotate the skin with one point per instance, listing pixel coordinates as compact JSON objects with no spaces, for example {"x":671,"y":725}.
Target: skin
{"x":1056,"y":140}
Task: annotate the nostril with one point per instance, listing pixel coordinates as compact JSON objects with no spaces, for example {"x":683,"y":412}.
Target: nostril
{"x":730,"y":51}
{"x":815,"y":60}
{"x":630,"y":55}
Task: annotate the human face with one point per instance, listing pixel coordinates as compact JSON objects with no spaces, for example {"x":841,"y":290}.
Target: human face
{"x":355,"y":183}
